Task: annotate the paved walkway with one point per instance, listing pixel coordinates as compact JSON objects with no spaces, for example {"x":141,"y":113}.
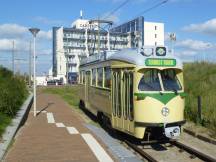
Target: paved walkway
{"x":56,"y":135}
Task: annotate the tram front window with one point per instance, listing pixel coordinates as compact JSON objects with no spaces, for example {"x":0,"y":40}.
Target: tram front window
{"x":170,"y":81}
{"x":150,"y":81}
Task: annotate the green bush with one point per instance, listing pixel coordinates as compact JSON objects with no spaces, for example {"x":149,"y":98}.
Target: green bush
{"x":200,"y":80}
{"x":13,"y":92}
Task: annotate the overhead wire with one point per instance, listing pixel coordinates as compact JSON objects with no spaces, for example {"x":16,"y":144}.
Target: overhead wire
{"x":116,"y":9}
{"x":150,"y":8}
{"x":153,"y":7}
{"x":107,"y":16}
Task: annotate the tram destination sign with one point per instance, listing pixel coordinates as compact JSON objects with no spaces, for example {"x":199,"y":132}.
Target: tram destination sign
{"x":160,"y":62}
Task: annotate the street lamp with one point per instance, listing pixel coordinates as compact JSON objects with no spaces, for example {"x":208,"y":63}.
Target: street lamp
{"x":34,"y":32}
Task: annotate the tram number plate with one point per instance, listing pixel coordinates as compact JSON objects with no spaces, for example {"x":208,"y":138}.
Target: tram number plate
{"x":172,"y":132}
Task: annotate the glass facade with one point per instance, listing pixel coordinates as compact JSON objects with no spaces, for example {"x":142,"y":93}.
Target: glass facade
{"x":135,"y":25}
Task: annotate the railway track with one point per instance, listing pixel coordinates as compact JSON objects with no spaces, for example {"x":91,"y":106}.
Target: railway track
{"x":180,"y":152}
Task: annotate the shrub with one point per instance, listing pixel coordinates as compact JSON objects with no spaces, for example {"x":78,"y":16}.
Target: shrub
{"x":13,"y":92}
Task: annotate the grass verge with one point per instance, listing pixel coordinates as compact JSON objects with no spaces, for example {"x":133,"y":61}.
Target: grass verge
{"x":70,"y":95}
{"x":200,"y":80}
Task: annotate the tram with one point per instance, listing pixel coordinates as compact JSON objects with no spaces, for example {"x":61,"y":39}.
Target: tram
{"x":137,"y":91}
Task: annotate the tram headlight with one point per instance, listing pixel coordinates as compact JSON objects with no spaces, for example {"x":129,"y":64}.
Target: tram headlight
{"x":165,"y":111}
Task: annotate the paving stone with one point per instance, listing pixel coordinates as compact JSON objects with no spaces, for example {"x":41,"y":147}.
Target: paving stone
{"x":40,"y":141}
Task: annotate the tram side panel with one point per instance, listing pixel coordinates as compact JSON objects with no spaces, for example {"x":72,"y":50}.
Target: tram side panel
{"x":81,"y":92}
{"x":100,"y":101}
{"x":96,"y":99}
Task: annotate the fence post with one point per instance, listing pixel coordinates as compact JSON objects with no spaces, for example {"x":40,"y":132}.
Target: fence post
{"x":199,"y":108}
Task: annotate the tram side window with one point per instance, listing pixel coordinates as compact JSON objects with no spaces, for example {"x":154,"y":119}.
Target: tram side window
{"x":83,"y":77}
{"x":100,"y":77}
{"x":93,"y":77}
{"x":131,"y":115}
{"x":80,"y":77}
{"x":107,"y":73}
{"x":114,"y":98}
{"x":119,"y":94}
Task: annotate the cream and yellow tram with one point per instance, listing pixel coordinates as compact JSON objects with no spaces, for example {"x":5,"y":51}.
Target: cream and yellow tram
{"x":139,"y":92}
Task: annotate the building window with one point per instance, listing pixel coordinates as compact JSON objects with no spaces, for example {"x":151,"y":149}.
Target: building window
{"x":100,"y":77}
{"x":155,"y":43}
{"x":155,"y":27}
{"x":93,"y":83}
{"x":155,"y":35}
{"x":107,"y":73}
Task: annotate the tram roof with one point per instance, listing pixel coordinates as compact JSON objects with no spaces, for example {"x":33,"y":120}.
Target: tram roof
{"x":133,"y":56}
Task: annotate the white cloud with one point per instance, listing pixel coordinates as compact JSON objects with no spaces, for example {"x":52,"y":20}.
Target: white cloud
{"x":45,"y":35}
{"x":47,"y":21}
{"x":195,"y":45}
{"x":186,"y":53}
{"x":19,"y":45}
{"x":22,"y":37}
{"x":208,"y":27}
{"x":15,"y":31}
{"x":12,"y":30}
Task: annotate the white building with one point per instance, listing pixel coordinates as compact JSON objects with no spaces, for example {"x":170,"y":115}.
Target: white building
{"x":41,"y":81}
{"x":81,"y":40}
{"x":153,"y":34}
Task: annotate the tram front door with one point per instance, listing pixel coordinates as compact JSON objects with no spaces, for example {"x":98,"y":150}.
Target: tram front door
{"x":122,"y":100}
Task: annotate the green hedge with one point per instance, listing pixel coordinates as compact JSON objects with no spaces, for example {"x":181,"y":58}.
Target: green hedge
{"x":13,"y":92}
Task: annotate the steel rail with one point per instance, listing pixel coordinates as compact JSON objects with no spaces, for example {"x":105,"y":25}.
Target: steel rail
{"x":193,"y":151}
{"x":141,"y":152}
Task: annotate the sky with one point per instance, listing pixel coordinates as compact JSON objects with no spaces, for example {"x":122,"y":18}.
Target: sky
{"x":193,"y":21}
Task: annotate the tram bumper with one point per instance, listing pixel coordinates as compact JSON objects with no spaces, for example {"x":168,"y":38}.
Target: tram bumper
{"x":171,"y":130}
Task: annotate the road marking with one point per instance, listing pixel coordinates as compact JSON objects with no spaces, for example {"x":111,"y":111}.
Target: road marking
{"x":60,"y":125}
{"x":50,"y":118}
{"x":43,"y":111}
{"x":72,"y":130}
{"x":39,"y":111}
{"x":96,"y":148}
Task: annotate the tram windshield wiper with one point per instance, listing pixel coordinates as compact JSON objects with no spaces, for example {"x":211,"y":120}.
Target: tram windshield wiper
{"x":161,"y":93}
{"x":175,"y":91}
